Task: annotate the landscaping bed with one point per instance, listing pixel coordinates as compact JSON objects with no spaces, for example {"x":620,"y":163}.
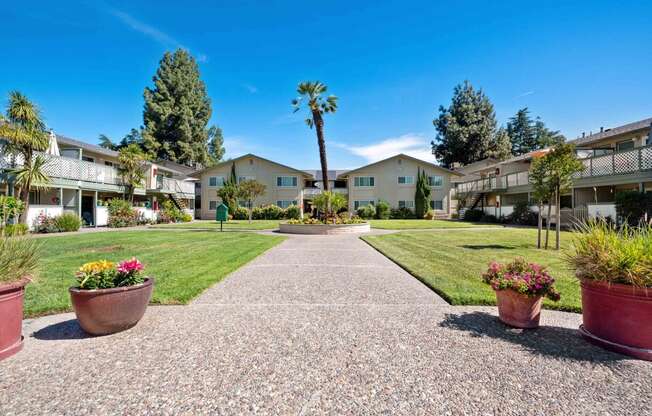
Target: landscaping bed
{"x":452,"y":263}
{"x":183,"y":263}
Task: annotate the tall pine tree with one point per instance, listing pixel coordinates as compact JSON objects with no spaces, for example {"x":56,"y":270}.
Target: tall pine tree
{"x":528,"y":135}
{"x":421,"y":194}
{"x":466,"y":130}
{"x":176,"y":113}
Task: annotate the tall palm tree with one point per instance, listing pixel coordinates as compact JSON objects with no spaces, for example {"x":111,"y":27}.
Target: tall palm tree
{"x":24,"y":132}
{"x":317,"y":105}
{"x":132,"y":168}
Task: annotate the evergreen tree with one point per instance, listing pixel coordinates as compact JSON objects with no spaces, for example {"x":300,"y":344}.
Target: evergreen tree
{"x":502,"y":145}
{"x":215,"y":144}
{"x":520,"y":129}
{"x":466,"y":130}
{"x":177,"y":110}
{"x":421,"y":195}
{"x":546,"y":137}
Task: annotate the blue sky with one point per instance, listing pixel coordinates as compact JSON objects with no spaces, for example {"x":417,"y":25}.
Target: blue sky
{"x":578,"y":65}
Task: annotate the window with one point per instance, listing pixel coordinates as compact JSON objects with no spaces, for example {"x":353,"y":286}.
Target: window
{"x":88,"y":159}
{"x":245,"y":178}
{"x":108,"y":163}
{"x":363,"y":181}
{"x":212,"y":205}
{"x":216,"y":181}
{"x":625,"y":145}
{"x":285,"y":204}
{"x":405,"y":180}
{"x":435,"y":180}
{"x":406,"y":204}
{"x":359,"y":204}
{"x":437,"y":205}
{"x":286,"y":181}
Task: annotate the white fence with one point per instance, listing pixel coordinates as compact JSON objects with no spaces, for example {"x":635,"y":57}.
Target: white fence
{"x":48,"y":210}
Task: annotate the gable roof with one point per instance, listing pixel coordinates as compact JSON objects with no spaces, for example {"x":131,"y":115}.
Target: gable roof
{"x":67,"y":141}
{"x":332,"y":174}
{"x":403,"y":155}
{"x":199,"y":172}
{"x":625,"y":128}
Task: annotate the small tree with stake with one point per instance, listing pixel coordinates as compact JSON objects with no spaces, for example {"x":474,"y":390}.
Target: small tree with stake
{"x":542,"y":192}
{"x":422,"y":194}
{"x":249,"y":190}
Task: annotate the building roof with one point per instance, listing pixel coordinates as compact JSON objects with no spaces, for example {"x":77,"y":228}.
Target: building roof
{"x":199,"y":172}
{"x":452,"y":172}
{"x":626,"y":128}
{"x":475,"y":166}
{"x":176,"y":167}
{"x":332,"y":174}
{"x":86,"y":146}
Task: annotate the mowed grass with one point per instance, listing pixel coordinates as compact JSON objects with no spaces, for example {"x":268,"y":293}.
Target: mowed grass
{"x":183,"y":263}
{"x":424,"y":224}
{"x":233,"y":225}
{"x":451,"y":263}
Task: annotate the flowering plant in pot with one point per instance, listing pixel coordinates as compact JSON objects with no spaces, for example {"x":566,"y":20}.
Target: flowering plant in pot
{"x":110,"y":297}
{"x":18,"y":261}
{"x":614,"y":266}
{"x":520,"y":287}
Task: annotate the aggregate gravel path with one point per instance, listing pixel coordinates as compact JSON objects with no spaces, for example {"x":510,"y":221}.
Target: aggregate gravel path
{"x":320,"y":325}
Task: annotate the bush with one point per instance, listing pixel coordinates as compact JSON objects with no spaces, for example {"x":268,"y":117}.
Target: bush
{"x":604,"y":252}
{"x":170,"y":213}
{"x":292,"y":212}
{"x":382,"y":210}
{"x":13,"y":230}
{"x":402,"y":214}
{"x":489,"y":218}
{"x":473,"y":215}
{"x":121,"y":214}
{"x":271,"y":212}
{"x":631,"y":206}
{"x":18,"y":258}
{"x":430,"y":215}
{"x":185,"y":217}
{"x":522,"y":214}
{"x":241,"y":213}
{"x":68,"y":222}
{"x":367,"y":212}
{"x":45,"y":224}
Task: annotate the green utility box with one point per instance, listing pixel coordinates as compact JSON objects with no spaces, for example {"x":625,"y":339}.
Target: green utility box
{"x":222,"y":213}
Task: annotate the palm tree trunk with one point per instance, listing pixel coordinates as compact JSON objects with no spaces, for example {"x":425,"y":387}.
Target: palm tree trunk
{"x":558,"y":225}
{"x":319,"y":127}
{"x":548,"y":223}
{"x":24,"y":191}
{"x":539,"y":224}
{"x":251,"y":209}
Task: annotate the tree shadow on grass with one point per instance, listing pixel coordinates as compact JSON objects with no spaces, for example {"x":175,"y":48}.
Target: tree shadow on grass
{"x":551,"y":341}
{"x":69,"y":329}
{"x":487,"y":247}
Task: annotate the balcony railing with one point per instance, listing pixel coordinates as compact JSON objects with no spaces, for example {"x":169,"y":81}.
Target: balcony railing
{"x":619,"y":163}
{"x":317,"y":191}
{"x":174,"y":186}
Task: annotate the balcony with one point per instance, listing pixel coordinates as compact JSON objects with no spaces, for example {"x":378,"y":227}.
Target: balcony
{"x":310,"y":192}
{"x":619,"y":163}
{"x":182,"y":189}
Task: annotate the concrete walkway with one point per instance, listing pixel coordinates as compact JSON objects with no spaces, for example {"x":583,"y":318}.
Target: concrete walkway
{"x":320,"y":325}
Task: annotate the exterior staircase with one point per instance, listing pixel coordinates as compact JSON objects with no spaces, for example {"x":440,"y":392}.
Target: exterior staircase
{"x":179,"y":203}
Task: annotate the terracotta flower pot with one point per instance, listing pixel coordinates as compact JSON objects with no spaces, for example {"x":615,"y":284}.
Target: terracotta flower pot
{"x":11,"y":317}
{"x":618,"y":317}
{"x":518,"y":310}
{"x":106,"y":311}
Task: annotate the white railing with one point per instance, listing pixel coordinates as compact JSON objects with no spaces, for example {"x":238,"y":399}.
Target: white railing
{"x":318,"y":191}
{"x":72,"y":169}
{"x":628,"y":161}
{"x":174,"y":186}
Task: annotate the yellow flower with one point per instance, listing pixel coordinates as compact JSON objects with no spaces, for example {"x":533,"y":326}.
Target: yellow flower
{"x":96,"y":267}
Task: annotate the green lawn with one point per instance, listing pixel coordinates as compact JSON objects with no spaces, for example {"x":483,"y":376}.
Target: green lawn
{"x":183,"y":263}
{"x":451,"y":263}
{"x":233,"y":225}
{"x":424,"y":224}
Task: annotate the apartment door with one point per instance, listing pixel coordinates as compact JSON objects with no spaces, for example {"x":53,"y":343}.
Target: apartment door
{"x":87,"y":205}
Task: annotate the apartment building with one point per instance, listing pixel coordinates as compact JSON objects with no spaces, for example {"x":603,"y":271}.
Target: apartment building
{"x":84,"y":177}
{"x":615,"y":160}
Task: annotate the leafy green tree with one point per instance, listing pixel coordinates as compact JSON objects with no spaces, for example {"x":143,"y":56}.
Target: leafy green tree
{"x":421,"y":195}
{"x":542,"y":192}
{"x":215,"y":145}
{"x":546,"y":137}
{"x":177,"y":111}
{"x":330,"y":203}
{"x":106,"y":142}
{"x":502,"y":145}
{"x":528,"y":135}
{"x":133,"y":137}
{"x":24,"y":134}
{"x":466,"y":130}
{"x":312,"y":92}
{"x":133,"y":165}
{"x":248,"y":191}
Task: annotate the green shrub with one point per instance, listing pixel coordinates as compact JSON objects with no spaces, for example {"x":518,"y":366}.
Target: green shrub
{"x":292,"y":212}
{"x":604,"y":252}
{"x":631,"y":206}
{"x":522,"y":214}
{"x":489,"y":218}
{"x":271,"y":212}
{"x":68,"y":222}
{"x":170,"y":213}
{"x":121,"y":214}
{"x":402,"y":214}
{"x":18,"y":258}
{"x":382,"y":210}
{"x":185,"y":217}
{"x":367,"y":212}
{"x":240,"y":214}
{"x":45,"y":224}
{"x":473,"y":215}
{"x":10,"y":208}
{"x":13,"y":230}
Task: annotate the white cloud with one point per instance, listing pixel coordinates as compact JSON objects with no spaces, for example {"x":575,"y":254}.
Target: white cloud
{"x":236,"y":146}
{"x":525,"y":94}
{"x":251,"y":88}
{"x":415,"y":145}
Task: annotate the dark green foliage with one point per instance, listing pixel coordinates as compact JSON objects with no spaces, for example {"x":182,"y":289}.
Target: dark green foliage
{"x":473,"y":215}
{"x":528,"y":135}
{"x":466,"y":130}
{"x":268,"y":212}
{"x":177,"y":111}
{"x":631,"y":206}
{"x":169,"y":213}
{"x":293,"y":212}
{"x":421,"y":194}
{"x":367,"y":212}
{"x":522,"y":214}
{"x":121,"y":214}
{"x":68,"y":222}
{"x":382,"y":210}
{"x":489,"y":218}
{"x":401,"y":214}
{"x":240,"y":213}
{"x":133,"y":137}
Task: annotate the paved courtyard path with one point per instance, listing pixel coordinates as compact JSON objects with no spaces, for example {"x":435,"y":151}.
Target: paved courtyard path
{"x":320,"y":325}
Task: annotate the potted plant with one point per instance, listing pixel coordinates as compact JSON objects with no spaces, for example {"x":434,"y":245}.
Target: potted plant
{"x":18,"y":260}
{"x":110,"y":298}
{"x":614,"y":266}
{"x":520,"y":287}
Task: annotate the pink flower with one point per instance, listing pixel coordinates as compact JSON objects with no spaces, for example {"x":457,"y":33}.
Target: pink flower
{"x":130,"y":266}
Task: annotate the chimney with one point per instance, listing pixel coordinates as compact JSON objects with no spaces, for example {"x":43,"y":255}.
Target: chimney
{"x":583,"y":134}
{"x":601,"y":129}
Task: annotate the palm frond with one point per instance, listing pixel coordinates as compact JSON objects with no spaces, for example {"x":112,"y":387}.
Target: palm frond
{"x":32,"y":174}
{"x":309,"y":122}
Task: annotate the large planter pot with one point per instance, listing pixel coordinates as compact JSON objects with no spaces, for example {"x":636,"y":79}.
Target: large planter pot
{"x":324,"y":229}
{"x":106,"y":311}
{"x":618,"y":317}
{"x":518,"y":310}
{"x":11,"y":317}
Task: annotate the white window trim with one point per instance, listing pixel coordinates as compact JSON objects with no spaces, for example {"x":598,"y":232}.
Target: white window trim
{"x":288,"y":186}
{"x":432,"y":205}
{"x":364,"y":186}
{"x":209,"y":205}
{"x":217,"y":181}
{"x":436,"y":186}
{"x":405,"y":184}
{"x":358,"y":201}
